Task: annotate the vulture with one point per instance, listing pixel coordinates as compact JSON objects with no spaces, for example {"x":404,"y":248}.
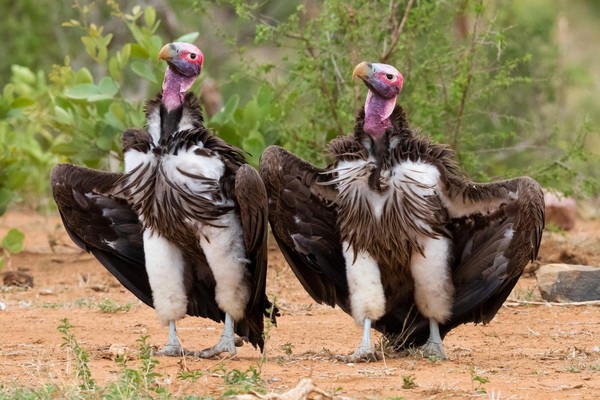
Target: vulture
{"x":185,"y":227}
{"x":394,"y":233}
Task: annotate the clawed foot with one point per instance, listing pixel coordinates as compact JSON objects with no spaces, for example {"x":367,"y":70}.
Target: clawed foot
{"x":361,"y":356}
{"x":240,"y":340}
{"x":227,"y":344}
{"x":433,"y":349}
{"x":172,"y":350}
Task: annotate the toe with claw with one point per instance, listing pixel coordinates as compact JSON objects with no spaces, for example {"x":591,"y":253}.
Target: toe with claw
{"x":433,"y":349}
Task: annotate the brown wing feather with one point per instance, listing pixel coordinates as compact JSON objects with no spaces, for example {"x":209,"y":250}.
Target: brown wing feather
{"x":98,"y":219}
{"x":303,"y":221}
{"x":491,"y":250}
{"x":102,"y":223}
{"x":251,"y":198}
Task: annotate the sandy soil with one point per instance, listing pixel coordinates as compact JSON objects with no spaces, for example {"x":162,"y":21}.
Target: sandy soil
{"x":526,"y":352}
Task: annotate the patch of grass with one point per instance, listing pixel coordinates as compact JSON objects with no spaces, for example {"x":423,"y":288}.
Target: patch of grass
{"x":477,"y":377}
{"x":48,"y":391}
{"x":432,"y":358}
{"x":269,"y":324}
{"x":82,"y":370}
{"x":539,"y":372}
{"x":575,"y":369}
{"x":408,"y":382}
{"x":525,"y":294}
{"x":51,"y":305}
{"x":110,"y":307}
{"x":554,"y":228}
{"x":83,"y":303}
{"x":190,"y":376}
{"x":237,"y":381}
{"x":140,"y":382}
{"x":287,"y":348}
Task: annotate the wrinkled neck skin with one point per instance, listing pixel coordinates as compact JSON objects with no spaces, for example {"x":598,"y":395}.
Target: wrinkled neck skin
{"x":174,"y":88}
{"x":377,"y":114}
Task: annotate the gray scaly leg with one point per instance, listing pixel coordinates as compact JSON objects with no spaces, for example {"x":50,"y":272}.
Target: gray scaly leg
{"x":364,"y":352}
{"x":226,"y":344}
{"x":434,"y":346}
{"x":173,"y":347}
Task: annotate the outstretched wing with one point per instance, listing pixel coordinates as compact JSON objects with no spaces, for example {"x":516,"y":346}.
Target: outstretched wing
{"x":303,"y":216}
{"x":102,"y":223}
{"x":496,"y":230}
{"x":492,"y":249}
{"x":252,"y":200}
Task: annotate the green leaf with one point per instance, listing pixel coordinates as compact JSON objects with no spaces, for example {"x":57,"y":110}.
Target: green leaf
{"x":14,"y":241}
{"x":144,"y":70}
{"x":64,"y":148}
{"x":90,"y":46}
{"x":21,"y":102}
{"x":63,"y":116}
{"x":149,"y":16}
{"x":6,"y":195}
{"x":114,"y":68}
{"x":84,"y":75}
{"x":22,"y":74}
{"x":108,"y":86}
{"x":105,"y":141}
{"x":254,"y":144}
{"x":115,"y":117}
{"x":137,"y":51}
{"x":223,"y":116}
{"x":188,"y":37}
{"x":83,"y":91}
{"x":105,"y":90}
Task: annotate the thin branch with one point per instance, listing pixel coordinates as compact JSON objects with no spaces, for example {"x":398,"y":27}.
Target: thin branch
{"x":551,"y":303}
{"x":396,"y":34}
{"x":465,"y":91}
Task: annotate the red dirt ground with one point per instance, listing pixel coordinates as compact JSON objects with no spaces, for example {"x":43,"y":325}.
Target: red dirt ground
{"x":526,"y":352}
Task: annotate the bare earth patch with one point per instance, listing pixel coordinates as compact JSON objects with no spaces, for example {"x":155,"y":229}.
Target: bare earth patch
{"x":526,"y":352}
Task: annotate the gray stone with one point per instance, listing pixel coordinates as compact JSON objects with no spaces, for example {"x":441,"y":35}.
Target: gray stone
{"x":568,"y":283}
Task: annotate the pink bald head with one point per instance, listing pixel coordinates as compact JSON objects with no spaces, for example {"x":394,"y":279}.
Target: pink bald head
{"x":185,"y":63}
{"x":384,"y":83}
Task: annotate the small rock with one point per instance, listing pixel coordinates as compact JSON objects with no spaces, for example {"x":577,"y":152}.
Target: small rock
{"x":117,"y":350}
{"x":560,"y":210}
{"x":99,"y":288}
{"x":568,"y":283}
{"x":2,"y":306}
{"x":17,"y":278}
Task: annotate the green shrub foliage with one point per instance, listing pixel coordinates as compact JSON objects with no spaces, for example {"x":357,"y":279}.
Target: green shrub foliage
{"x":481,"y":76}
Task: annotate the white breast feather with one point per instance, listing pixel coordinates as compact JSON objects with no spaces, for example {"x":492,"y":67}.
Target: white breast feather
{"x":154,"y":125}
{"x":353,"y":176}
{"x":186,"y":122}
{"x":134,"y":158}
{"x":188,"y":161}
{"x":426,"y":174}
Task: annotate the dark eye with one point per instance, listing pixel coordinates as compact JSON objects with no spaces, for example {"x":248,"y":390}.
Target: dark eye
{"x":193,"y":56}
{"x":390,"y":76}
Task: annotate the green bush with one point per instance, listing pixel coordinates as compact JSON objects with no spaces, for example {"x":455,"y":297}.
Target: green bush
{"x":495,"y":98}
{"x":68,"y":115}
